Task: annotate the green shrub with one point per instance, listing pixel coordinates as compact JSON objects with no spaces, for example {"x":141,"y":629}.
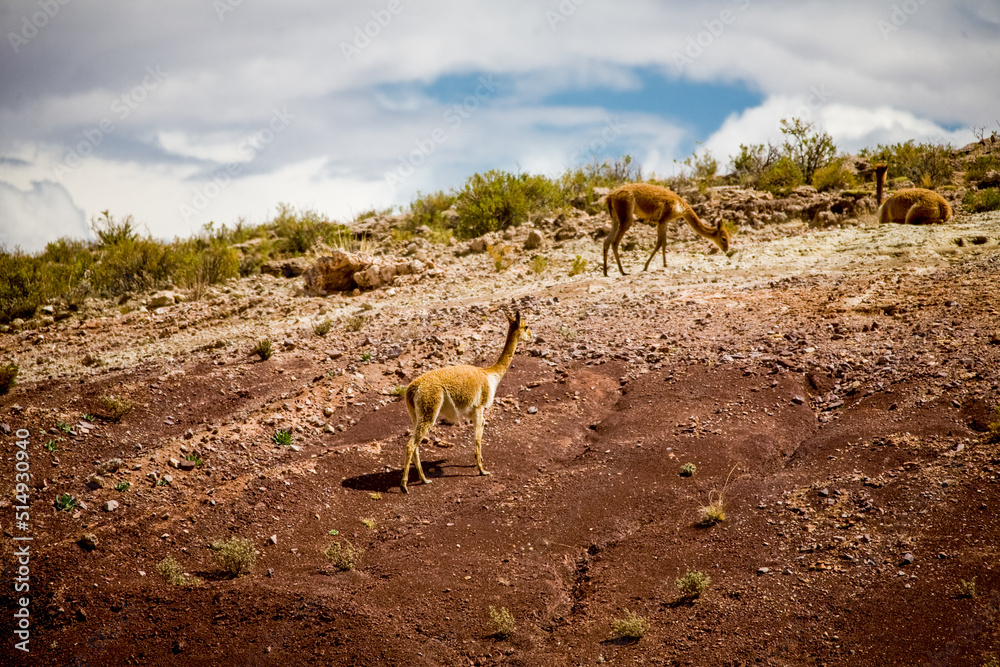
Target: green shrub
{"x":979,"y":166}
{"x":966,"y":589}
{"x":688,"y":469}
{"x":23,"y":287}
{"x":579,"y":266}
{"x":236,"y":556}
{"x":501,"y":622}
{"x":171,"y":570}
{"x":282,"y":436}
{"x":781,"y":177}
{"x":497,"y":200}
{"x":752,"y":161}
{"x":263,"y":349}
{"x":631,"y":627}
{"x":693,"y":583}
{"x":578,"y":184}
{"x":927,"y":165}
{"x":808,"y":149}
{"x":322,"y":327}
{"x":343,"y":556}
{"x":132,"y":266}
{"x":834,"y":176}
{"x":977,"y":201}
{"x":539,"y":263}
{"x":8,"y":377}
{"x":113,"y":408}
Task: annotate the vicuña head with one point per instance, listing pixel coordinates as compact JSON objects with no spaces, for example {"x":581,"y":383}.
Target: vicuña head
{"x":913,"y":206}
{"x":456,"y":392}
{"x":653,"y":204}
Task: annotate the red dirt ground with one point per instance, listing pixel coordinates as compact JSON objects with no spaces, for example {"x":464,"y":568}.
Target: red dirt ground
{"x":841,"y":418}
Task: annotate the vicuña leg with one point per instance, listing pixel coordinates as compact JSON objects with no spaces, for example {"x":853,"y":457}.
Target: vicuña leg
{"x":661,"y":242}
{"x":621,"y":220}
{"x":479,"y":421}
{"x":421,"y":426}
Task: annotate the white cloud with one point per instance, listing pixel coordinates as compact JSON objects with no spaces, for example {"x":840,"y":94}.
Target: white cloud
{"x":39,"y":215}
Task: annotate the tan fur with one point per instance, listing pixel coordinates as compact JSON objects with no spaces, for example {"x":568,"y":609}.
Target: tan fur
{"x":653,"y":204}
{"x":911,"y":206}
{"x":456,"y":392}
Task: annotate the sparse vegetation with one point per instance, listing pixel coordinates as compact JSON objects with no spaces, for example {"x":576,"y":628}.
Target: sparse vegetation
{"x":631,"y":627}
{"x":539,"y":263}
{"x":925,"y":165}
{"x":781,"y":177}
{"x":501,"y":622}
{"x":171,"y":570}
{"x":235,"y":556}
{"x":398,"y":390}
{"x":354,"y":322}
{"x":322,"y":327}
{"x":497,"y":200}
{"x":693,"y":583}
{"x":579,"y":266}
{"x":194,"y":458}
{"x":263,"y":349}
{"x":113,"y":408}
{"x":51,"y":446}
{"x":366,"y":357}
{"x":978,"y":201}
{"x":806,"y":147}
{"x":66,"y":502}
{"x":368,"y":523}
{"x":994,"y":426}
{"x":712,"y":513}
{"x":688,"y":469}
{"x":122,"y":487}
{"x":344,"y":556}
{"x":966,"y":589}
{"x":501,"y":254}
{"x":282,"y":436}
{"x":64,"y":427}
{"x":578,"y":184}
{"x":8,"y":377}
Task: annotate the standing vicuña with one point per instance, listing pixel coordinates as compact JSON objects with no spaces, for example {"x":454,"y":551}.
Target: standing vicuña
{"x":654,"y":204}
{"x":912,"y":206}
{"x":456,"y":392}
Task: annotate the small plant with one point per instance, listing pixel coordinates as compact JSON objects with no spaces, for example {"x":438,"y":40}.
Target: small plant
{"x":991,"y":660}
{"x":333,"y":531}
{"x":354,"y":322}
{"x":163,"y":481}
{"x":64,"y":427}
{"x":631,"y":627}
{"x":322,"y":327}
{"x":263,"y":349}
{"x":539,"y":263}
{"x":712,"y":513}
{"x":51,"y":446}
{"x":578,"y":267}
{"x":398,"y":390}
{"x":688,"y":469}
{"x":172,"y":571}
{"x":282,"y":436}
{"x":8,"y":377}
{"x":994,"y":426}
{"x":368,"y":523}
{"x":113,"y":408}
{"x":343,"y":556}
{"x":366,"y":357}
{"x":66,"y":503}
{"x":568,"y":334}
{"x":88,"y":417}
{"x":781,"y":177}
{"x":966,"y":589}
{"x":375,"y":495}
{"x":501,"y":255}
{"x":236,"y":556}
{"x":501,"y":622}
{"x":693,"y":583}
{"x":122,"y":487}
{"x":194,"y":458}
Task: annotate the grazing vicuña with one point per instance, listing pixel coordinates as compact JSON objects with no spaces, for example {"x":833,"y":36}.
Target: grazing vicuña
{"x":912,"y":206}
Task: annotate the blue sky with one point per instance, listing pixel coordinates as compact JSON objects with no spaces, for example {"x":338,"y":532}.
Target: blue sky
{"x":188,"y":112}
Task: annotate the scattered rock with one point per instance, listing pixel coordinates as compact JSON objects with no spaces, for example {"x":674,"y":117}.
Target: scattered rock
{"x":334,"y":273}
{"x":95,"y":482}
{"x":162,"y":299}
{"x":88,"y":541}
{"x":534,"y":240}
{"x":110,"y":506}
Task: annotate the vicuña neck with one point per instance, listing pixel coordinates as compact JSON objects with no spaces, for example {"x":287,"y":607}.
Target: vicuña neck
{"x":503,"y":363}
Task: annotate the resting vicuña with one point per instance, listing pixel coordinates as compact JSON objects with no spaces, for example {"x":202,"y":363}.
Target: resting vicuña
{"x":912,"y":206}
{"x":654,"y":204}
{"x":456,"y":392}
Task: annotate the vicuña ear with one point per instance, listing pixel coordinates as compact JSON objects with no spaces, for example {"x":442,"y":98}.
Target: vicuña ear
{"x":509,"y":318}
{"x":517,"y":316}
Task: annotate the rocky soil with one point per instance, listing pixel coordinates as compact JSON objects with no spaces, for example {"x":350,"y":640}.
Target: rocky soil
{"x":832,"y":382}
